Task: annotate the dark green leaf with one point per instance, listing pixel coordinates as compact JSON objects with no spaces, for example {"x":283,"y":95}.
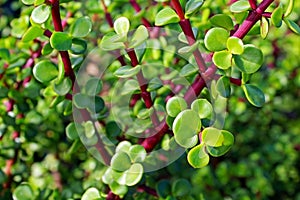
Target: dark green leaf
{"x":254,"y":95}
{"x":293,"y":26}
{"x":276,"y":17}
{"x":47,"y":49}
{"x":222,"y":20}
{"x":23,"y":192}
{"x":227,"y":143}
{"x":181,"y":187}
{"x":163,"y":188}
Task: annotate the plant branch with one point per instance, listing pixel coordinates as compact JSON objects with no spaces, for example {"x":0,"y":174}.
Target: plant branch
{"x":252,"y":18}
{"x":253,"y":4}
{"x":143,"y":86}
{"x":107,"y":14}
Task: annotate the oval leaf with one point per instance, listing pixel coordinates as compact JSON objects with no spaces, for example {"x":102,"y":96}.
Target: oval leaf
{"x":120,"y":161}
{"x":32,"y":33}
{"x":192,"y":6}
{"x":202,"y":107}
{"x":215,"y":39}
{"x":212,"y":137}
{"x":121,"y":26}
{"x":81,"y":27}
{"x":91,"y":193}
{"x":235,"y":45}
{"x":276,"y":17}
{"x":175,"y":105}
{"x":166,"y":16}
{"x":264,"y":27}
{"x":140,"y":35}
{"x":127,"y":71}
{"x":222,"y":59}
{"x":61,"y":41}
{"x":134,"y":174}
{"x":240,"y":6}
{"x":197,"y":157}
{"x":254,"y":95}
{"x":41,"y":13}
{"x":222,"y":20}
{"x":45,"y":71}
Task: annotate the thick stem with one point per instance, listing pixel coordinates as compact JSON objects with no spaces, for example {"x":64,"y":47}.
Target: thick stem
{"x":252,"y":18}
{"x":177,"y":7}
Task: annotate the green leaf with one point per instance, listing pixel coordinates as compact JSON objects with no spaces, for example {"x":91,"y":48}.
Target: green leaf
{"x":250,"y":60}
{"x":47,"y":49}
{"x":78,"y":46}
{"x":81,"y":27}
{"x":123,"y":146}
{"x":154,"y":84}
{"x":113,"y":129}
{"x":71,"y":131}
{"x":215,"y":39}
{"x":121,"y":26}
{"x":289,"y":8}
{"x":188,"y":49}
{"x":223,"y":86}
{"x":212,"y":137}
{"x":117,"y":189}
{"x":264,"y":27}
{"x":235,"y":45}
{"x":64,"y":87}
{"x":181,"y":187}
{"x":192,"y":6}
{"x":134,"y":174}
{"x":140,"y":35}
{"x":276,"y":17}
{"x":61,"y":41}
{"x":240,"y":6}
{"x":202,"y":107}
{"x":293,"y":26}
{"x":41,"y":13}
{"x":28,"y":2}
{"x":127,"y":71}
{"x":45,"y":71}
{"x":130,"y":86}
{"x":222,"y":20}
{"x":4,"y":53}
{"x":91,"y":194}
{"x":81,"y":101}
{"x":166,"y":16}
{"x":107,"y":178}
{"x":175,"y":105}
{"x":227,"y":143}
{"x":222,"y":59}
{"x":186,"y":127}
{"x":120,"y":161}
{"x":96,"y":105}
{"x":137,"y":153}
{"x":197,"y":157}
{"x":254,"y":95}
{"x":32,"y":33}
{"x":23,"y":192}
{"x":182,"y":37}
{"x":163,"y":188}
{"x":188,"y":70}
{"x":112,"y":42}
{"x":93,"y":86}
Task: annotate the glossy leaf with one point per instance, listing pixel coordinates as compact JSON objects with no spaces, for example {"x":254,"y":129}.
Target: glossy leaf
{"x":254,"y":95}
{"x":81,"y":27}
{"x":192,"y":6}
{"x":215,"y":39}
{"x":123,"y":146}
{"x":212,"y":137}
{"x":222,"y":59}
{"x":45,"y":71}
{"x":235,"y":45}
{"x":23,"y":192}
{"x":166,"y":16}
{"x":71,"y":131}
{"x":227,"y":143}
{"x":240,"y":6}
{"x":222,"y":20}
{"x":137,"y":153}
{"x":97,"y":104}
{"x":203,"y":107}
{"x":32,"y":33}
{"x":181,"y":187}
{"x":81,"y":101}
{"x":121,"y":26}
{"x":186,"y":126}
{"x":41,"y":13}
{"x":78,"y":46}
{"x":289,"y":8}
{"x":223,"y":86}
{"x":134,"y":174}
{"x":293,"y":26}
{"x":47,"y":49}
{"x":264,"y":27}
{"x":64,"y":87}
{"x":91,"y":193}
{"x":127,"y":71}
{"x":250,"y":60}
{"x":175,"y":105}
{"x":197,"y":157}
{"x":140,"y":35}
{"x":93,"y":86}
{"x":276,"y":17}
{"x":120,"y":162}
{"x":28,"y":2}
{"x":61,"y":41}
{"x":118,"y":189}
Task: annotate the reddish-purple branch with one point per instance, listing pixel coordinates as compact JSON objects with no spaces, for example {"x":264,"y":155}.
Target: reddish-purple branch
{"x":253,"y":4}
{"x":107,"y":14}
{"x":252,"y":18}
{"x":137,"y":9}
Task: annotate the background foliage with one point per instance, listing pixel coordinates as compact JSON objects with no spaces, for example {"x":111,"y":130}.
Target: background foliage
{"x":39,"y":159}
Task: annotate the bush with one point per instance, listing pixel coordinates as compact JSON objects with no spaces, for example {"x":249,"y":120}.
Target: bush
{"x":149,"y":100}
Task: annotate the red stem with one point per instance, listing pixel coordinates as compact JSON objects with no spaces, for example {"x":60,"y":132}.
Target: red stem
{"x":177,"y":7}
{"x":253,"y":4}
{"x":107,"y":14}
{"x":252,"y":18}
{"x":143,"y":86}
